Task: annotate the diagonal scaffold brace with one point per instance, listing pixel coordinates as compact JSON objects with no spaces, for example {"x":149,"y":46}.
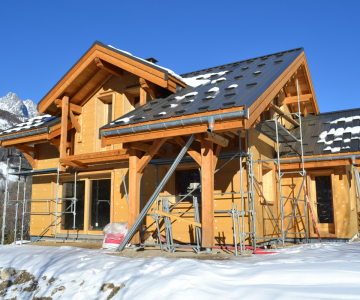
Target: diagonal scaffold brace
{"x":152,"y":199}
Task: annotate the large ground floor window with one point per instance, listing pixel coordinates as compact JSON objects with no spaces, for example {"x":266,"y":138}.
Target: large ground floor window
{"x":68,"y":192}
{"x":100,"y":204}
{"x":93,"y":205}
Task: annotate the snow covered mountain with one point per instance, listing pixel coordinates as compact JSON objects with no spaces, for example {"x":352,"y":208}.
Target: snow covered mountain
{"x":18,"y":110}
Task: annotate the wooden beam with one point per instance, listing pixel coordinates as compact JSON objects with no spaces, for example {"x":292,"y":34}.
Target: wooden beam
{"x":148,"y":87}
{"x":143,"y":96}
{"x":170,"y":133}
{"x":74,"y":122}
{"x":217,"y":150}
{"x":176,"y":217}
{"x":115,"y":158}
{"x":31,"y":160}
{"x":230,"y":134}
{"x":26,"y":148}
{"x":193,"y":153}
{"x":149,"y":154}
{"x":294,"y":99}
{"x":56,"y":142}
{"x":73,"y":107}
{"x":216,"y":139}
{"x":207,"y":193}
{"x":64,"y":128}
{"x":109,"y":67}
{"x":134,"y":191}
{"x":138,"y":146}
{"x":95,"y":155}
{"x":77,"y":164}
{"x":56,"y":132}
{"x":287,"y":118}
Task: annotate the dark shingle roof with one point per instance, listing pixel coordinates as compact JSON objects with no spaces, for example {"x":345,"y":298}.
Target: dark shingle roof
{"x":328,"y":133}
{"x":232,"y":85}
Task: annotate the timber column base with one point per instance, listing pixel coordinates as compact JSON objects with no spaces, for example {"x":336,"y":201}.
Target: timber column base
{"x":207,"y":194}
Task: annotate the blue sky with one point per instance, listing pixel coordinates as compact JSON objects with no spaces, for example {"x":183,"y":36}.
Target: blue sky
{"x":41,"y":40}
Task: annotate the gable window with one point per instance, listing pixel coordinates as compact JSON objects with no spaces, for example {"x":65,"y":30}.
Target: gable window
{"x":104,"y":108}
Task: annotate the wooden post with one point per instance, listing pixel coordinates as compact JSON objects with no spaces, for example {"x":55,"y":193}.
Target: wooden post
{"x":143,"y":96}
{"x":207,"y":193}
{"x":134,"y":191}
{"x":64,"y":125}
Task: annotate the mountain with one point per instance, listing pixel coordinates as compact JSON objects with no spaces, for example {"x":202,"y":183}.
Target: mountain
{"x":31,"y":108}
{"x":17,"y":109}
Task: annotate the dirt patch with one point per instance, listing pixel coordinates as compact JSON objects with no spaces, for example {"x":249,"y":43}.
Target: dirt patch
{"x":51,"y":280}
{"x":216,"y":254}
{"x":24,"y":277}
{"x":42,"y":298}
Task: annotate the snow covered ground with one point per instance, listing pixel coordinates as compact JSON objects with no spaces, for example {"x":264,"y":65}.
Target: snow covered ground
{"x":313,"y":271}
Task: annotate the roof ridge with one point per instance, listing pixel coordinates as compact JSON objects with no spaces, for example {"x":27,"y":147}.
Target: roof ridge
{"x":240,"y":61}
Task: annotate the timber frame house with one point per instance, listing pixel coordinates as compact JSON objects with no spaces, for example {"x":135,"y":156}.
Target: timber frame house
{"x":116,"y":125}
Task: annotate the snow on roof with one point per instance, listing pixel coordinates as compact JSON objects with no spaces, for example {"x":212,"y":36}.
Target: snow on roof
{"x":29,"y":124}
{"x":342,"y":136}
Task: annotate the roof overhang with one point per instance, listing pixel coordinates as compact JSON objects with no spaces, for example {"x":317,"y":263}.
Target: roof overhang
{"x":96,"y":67}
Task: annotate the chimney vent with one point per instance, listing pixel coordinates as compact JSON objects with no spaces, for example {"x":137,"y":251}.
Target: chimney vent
{"x":152,"y":60}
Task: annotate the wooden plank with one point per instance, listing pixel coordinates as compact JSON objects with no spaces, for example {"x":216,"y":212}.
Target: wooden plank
{"x":64,"y":128}
{"x":113,"y":158}
{"x":97,"y":154}
{"x":176,"y":217}
{"x":134,"y":191}
{"x":74,"y":122}
{"x":26,"y":148}
{"x":193,"y":153}
{"x":149,"y":154}
{"x":216,"y":139}
{"x":207,"y":194}
{"x":73,"y":107}
{"x":109,"y":67}
{"x":56,"y":142}
{"x":287,"y":118}
{"x":294,"y":99}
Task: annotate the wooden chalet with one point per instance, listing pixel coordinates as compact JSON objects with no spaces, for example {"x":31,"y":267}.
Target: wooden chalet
{"x":120,"y":122}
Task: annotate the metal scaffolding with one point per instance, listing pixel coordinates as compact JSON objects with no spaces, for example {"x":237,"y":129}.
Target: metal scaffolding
{"x":278,"y":133}
{"x":24,"y":172}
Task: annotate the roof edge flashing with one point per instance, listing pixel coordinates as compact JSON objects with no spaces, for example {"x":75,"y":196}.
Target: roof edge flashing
{"x":182,"y":122}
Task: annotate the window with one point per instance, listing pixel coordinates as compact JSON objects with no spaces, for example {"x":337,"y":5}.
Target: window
{"x":267,"y":183}
{"x":100,"y":204}
{"x":104,"y":107}
{"x":68,"y":192}
{"x":324,"y":201}
{"x":186,"y":181}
